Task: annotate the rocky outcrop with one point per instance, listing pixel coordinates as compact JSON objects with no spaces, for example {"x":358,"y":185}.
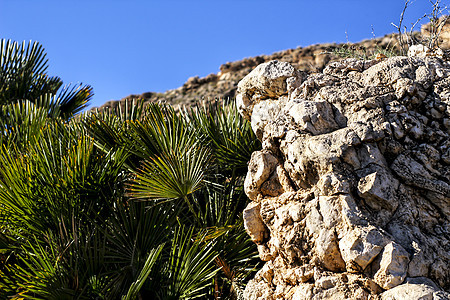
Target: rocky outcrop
{"x":313,"y":58}
{"x":223,"y":85}
{"x":351,"y":191}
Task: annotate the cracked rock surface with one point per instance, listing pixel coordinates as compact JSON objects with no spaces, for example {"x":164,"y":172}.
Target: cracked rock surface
{"x":351,"y":191}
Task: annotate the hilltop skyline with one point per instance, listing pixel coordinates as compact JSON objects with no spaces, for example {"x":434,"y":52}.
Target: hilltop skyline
{"x":132,"y":47}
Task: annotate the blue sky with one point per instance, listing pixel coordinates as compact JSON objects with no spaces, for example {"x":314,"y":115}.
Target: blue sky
{"x":123,"y":47}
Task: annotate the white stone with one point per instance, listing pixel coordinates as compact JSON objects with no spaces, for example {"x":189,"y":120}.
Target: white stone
{"x":379,"y":189}
{"x":253,"y":223}
{"x":327,"y":251}
{"x":360,"y":247}
{"x":423,"y":51}
{"x":315,"y":117}
{"x":261,"y":165}
{"x":393,"y":266}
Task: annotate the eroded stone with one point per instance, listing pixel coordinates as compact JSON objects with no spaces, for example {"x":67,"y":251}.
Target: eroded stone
{"x":353,"y":180}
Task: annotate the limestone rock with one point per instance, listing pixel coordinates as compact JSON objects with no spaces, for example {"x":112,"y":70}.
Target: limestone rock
{"x":393,"y":265}
{"x":351,"y":191}
{"x":315,"y":117}
{"x":327,"y":251}
{"x":261,"y":165}
{"x":253,"y":223}
{"x":262,"y":113}
{"x":416,"y":288}
{"x":379,"y":189}
{"x":359,"y":247}
{"x":423,"y":51}
{"x":267,"y":81}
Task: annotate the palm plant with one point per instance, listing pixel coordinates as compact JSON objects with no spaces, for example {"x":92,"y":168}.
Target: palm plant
{"x":167,"y":149}
{"x":222,"y":218}
{"x":52,"y":192}
{"x":64,"y":218}
{"x":189,"y":268}
{"x":111,"y":130}
{"x":23,"y":76}
{"x":135,"y":287}
{"x":222,"y":128}
{"x":62,"y":171}
{"x":133,"y":203}
{"x":131,"y":232}
{"x":21,"y":122}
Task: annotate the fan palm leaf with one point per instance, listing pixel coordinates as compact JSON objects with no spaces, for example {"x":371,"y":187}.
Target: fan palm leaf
{"x":149,"y":263}
{"x":21,"y":123}
{"x":60,"y":172}
{"x":131,"y":232}
{"x":67,"y":265}
{"x":190,"y":267}
{"x":23,"y":76}
{"x":227,"y":133}
{"x":175,"y":163}
{"x":110,"y":129}
{"x":221,"y":216}
{"x":171,"y":175}
{"x":162,"y":130}
{"x":23,"y":71}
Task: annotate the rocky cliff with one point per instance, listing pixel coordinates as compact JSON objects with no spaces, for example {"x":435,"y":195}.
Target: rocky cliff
{"x":351,"y":191}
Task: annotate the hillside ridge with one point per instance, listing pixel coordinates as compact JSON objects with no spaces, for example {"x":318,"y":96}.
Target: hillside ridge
{"x":310,"y":59}
{"x":223,"y":85}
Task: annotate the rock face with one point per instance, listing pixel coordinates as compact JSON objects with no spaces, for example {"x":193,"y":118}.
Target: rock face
{"x":351,"y":191}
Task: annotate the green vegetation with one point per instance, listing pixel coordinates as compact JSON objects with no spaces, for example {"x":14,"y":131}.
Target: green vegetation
{"x":133,"y":203}
{"x":359,"y":52}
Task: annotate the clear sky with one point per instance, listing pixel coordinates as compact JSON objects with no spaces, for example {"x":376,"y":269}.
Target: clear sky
{"x":123,"y":47}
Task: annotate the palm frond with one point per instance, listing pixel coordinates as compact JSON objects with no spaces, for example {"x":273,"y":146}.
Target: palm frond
{"x":171,"y":175}
{"x":221,"y":202}
{"x":60,"y":172}
{"x":22,"y":71}
{"x":23,"y":76}
{"x":162,"y":131}
{"x":149,"y":263}
{"x":110,"y":130}
{"x":131,"y":232}
{"x":175,"y":162}
{"x":64,"y":265}
{"x":72,"y":100}
{"x":190,"y":268}
{"x":229,"y":135}
{"x":21,"y":123}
